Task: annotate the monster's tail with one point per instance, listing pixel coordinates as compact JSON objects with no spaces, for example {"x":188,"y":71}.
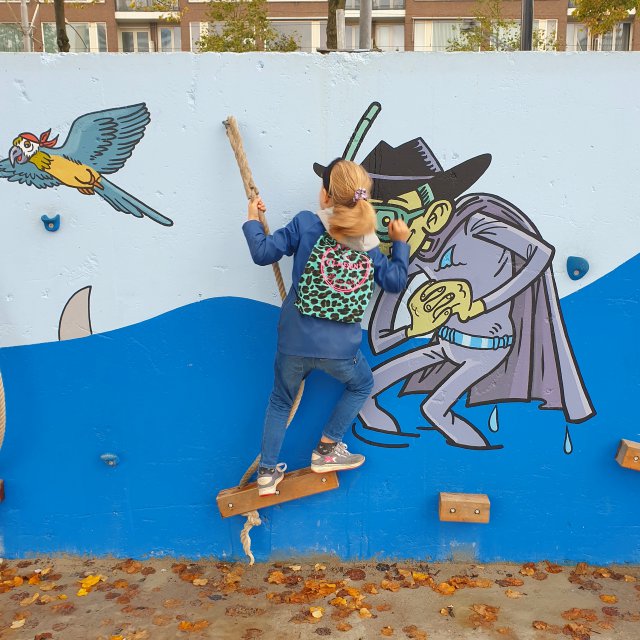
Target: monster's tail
{"x":122,"y":201}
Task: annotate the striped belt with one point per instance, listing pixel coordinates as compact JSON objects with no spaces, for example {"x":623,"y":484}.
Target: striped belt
{"x":474,"y":342}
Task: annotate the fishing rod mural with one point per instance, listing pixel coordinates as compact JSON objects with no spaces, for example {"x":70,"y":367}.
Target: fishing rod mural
{"x":483,"y":295}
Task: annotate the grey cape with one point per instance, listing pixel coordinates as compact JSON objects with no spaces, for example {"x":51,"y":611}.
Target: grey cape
{"x":541,"y":364}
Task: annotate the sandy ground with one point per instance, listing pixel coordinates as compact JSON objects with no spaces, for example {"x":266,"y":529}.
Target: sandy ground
{"x":111,"y":599}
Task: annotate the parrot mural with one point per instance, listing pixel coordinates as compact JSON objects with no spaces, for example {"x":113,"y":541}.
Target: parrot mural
{"x":98,"y":144}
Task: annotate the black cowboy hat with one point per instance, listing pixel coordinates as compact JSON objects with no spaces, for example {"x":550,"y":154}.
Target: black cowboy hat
{"x":397,"y":170}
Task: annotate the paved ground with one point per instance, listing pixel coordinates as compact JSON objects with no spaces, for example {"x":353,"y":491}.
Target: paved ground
{"x":108,"y":599}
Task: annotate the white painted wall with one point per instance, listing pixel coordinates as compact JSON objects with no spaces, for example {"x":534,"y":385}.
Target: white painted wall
{"x":562,"y":129}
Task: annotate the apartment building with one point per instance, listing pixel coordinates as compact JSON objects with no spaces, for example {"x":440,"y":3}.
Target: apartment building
{"x":134,"y":26}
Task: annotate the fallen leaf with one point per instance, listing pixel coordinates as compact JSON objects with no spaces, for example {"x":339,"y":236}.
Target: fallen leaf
{"x":185,"y":625}
{"x":386,"y":631}
{"x":510,"y":582}
{"x":171,"y":603}
{"x":577,"y":631}
{"x":251,"y":634}
{"x":316,"y":612}
{"x":365,"y":613}
{"x":445,"y":589}
{"x":370,"y":588}
{"x":130,"y":566}
{"x":16,"y":624}
{"x":356,"y":574}
{"x":120,"y":584}
{"x":319,"y":567}
{"x":553,"y":568}
{"x":295,"y":567}
{"x":391,"y":585}
{"x":611,"y":611}
{"x":200,"y":582}
{"x":414,"y":633}
{"x":343,"y":626}
{"x":241,"y":611}
{"x":383,"y":607}
{"x":577,"y":614}
{"x":511,"y":593}
{"x":43,"y":636}
{"x":276,"y":577}
{"x":25,"y":602}
{"x":162,"y":621}
{"x":608,"y":599}
{"x":629,"y":578}
{"x":581,"y":569}
{"x":528,"y":569}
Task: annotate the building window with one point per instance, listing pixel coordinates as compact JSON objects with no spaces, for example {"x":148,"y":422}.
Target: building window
{"x":309,"y":34}
{"x":197,"y":30}
{"x":135,"y":40}
{"x":10,"y":38}
{"x":388,"y":37}
{"x":579,"y":39}
{"x":435,"y":35}
{"x":351,"y":36}
{"x":84,"y":37}
{"x":170,"y":39}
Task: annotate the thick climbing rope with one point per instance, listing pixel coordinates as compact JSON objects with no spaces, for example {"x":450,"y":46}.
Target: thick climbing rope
{"x":233,"y":133}
{"x":3,"y":412}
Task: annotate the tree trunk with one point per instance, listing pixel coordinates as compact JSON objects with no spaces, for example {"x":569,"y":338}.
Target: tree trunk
{"x":61,"y":27}
{"x":332,"y":33}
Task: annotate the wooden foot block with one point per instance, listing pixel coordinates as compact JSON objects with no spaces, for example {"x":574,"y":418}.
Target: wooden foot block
{"x":464,"y":507}
{"x":1,"y":490}
{"x":628,"y":455}
{"x":296,"y":484}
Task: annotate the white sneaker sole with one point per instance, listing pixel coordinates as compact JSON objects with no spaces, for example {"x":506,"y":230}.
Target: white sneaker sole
{"x":326,"y":468}
{"x":270,"y":491}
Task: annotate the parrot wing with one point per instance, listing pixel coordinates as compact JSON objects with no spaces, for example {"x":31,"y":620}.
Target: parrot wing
{"x":104,"y":140}
{"x":27,"y":173}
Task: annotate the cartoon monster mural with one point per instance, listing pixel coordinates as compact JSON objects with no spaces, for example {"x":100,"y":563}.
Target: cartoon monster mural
{"x":98,"y":144}
{"x":489,"y":305}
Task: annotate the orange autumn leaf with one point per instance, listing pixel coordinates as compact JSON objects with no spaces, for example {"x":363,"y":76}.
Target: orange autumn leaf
{"x":580,"y":614}
{"x":276,"y":577}
{"x":445,"y":589}
{"x":343,"y":626}
{"x":553,"y":568}
{"x":412,"y":632}
{"x":608,"y":599}
{"x":386,"y":631}
{"x":390,"y":585}
{"x":185,"y":625}
{"x":512,"y":593}
{"x":528,"y":569}
{"x":365,"y":613}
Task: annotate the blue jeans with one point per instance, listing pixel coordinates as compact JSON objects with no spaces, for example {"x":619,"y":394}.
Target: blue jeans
{"x":290,"y":371}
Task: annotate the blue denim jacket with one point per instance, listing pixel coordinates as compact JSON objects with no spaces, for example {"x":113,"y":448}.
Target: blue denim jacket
{"x":301,"y":335}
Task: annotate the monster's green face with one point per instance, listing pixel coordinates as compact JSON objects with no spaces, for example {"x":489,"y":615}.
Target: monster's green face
{"x":420,"y":210}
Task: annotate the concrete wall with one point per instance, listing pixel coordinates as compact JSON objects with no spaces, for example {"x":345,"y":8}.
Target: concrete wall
{"x":176,"y":374}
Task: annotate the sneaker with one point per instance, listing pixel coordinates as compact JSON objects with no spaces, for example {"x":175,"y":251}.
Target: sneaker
{"x":337,"y":460}
{"x":268,"y":479}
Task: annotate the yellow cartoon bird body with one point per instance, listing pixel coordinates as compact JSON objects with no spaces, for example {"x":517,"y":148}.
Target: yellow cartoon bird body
{"x":68,"y":172}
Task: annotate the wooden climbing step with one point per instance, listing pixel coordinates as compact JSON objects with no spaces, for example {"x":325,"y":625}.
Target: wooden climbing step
{"x":297,"y":484}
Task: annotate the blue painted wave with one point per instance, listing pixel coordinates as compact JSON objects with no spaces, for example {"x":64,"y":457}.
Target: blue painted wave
{"x":180,"y":400}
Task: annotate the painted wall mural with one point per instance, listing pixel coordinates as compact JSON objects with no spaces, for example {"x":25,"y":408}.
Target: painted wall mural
{"x":137,"y":357}
{"x":98,"y":144}
{"x":489,"y":306}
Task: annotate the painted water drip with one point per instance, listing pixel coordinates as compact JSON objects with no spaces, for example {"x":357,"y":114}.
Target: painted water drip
{"x":568,"y":445}
{"x":577,"y":267}
{"x":493,"y":420}
{"x":51,"y":224}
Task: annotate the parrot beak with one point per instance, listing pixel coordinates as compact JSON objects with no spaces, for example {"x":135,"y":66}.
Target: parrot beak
{"x":15,"y":155}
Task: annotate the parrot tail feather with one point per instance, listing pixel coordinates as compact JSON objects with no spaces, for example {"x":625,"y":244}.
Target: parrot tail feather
{"x":126,"y":203}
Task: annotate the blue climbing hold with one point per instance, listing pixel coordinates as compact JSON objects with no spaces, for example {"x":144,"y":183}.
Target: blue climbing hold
{"x":51,"y":224}
{"x":577,"y":267}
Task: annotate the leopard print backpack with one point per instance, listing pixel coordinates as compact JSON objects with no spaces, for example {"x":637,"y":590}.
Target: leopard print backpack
{"x":337,"y":282}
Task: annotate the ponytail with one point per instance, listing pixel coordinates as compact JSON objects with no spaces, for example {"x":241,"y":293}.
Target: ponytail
{"x":349,"y":186}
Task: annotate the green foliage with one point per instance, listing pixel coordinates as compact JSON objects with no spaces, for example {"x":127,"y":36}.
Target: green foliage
{"x":240,"y":26}
{"x":601,"y":16}
{"x":492,"y":32}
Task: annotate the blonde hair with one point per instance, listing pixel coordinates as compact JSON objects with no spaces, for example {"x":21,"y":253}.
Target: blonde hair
{"x":351,"y":216}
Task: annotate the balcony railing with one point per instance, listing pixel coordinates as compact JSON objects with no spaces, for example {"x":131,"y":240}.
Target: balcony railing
{"x":377,"y":4}
{"x":147,"y":5}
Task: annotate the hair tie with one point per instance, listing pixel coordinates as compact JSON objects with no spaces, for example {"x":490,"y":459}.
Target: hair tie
{"x":360,"y":194}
